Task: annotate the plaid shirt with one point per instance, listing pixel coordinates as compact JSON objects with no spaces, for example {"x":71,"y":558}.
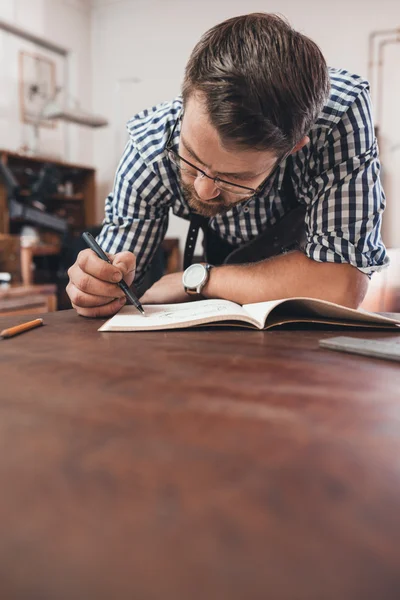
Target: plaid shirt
{"x":336,"y":176}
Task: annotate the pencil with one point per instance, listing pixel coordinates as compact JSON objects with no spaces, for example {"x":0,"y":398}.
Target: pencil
{"x":17,"y":329}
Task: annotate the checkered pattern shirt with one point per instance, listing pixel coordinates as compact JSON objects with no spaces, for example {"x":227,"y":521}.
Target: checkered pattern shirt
{"x":336,"y":176}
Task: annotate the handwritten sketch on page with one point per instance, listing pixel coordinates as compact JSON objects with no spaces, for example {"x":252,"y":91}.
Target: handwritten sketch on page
{"x":169,"y":314}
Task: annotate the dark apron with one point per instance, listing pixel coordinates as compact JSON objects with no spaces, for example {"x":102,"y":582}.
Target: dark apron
{"x":286,"y":234}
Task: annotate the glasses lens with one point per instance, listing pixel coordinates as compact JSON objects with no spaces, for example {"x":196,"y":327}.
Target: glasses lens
{"x":189,"y":171}
{"x":181,"y":165}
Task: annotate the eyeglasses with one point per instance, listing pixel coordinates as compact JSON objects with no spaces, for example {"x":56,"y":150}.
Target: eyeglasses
{"x":194,"y":172}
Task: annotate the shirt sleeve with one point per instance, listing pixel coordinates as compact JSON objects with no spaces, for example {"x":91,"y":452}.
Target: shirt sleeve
{"x":136,"y":212}
{"x":344,"y":194}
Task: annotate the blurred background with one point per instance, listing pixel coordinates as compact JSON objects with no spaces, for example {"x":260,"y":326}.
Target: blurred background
{"x":74,"y":71}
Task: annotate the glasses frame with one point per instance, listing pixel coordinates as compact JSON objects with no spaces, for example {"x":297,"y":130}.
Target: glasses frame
{"x":216,"y":180}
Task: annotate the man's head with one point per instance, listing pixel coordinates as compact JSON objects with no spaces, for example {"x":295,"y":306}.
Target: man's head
{"x":252,"y":89}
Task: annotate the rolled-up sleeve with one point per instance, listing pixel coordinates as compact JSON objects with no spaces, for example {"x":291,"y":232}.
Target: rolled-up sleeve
{"x":136,"y":212}
{"x":344,"y":194}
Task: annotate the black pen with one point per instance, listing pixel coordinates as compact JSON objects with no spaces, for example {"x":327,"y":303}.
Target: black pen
{"x":91,"y":242}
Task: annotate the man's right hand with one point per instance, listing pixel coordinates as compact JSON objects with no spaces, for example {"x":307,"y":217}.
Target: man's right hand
{"x":92,"y":286}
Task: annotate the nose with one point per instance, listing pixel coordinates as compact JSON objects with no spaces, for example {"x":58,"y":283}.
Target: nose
{"x":205,"y":188}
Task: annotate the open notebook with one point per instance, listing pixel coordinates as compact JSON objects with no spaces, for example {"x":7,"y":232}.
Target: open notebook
{"x":261,"y":315}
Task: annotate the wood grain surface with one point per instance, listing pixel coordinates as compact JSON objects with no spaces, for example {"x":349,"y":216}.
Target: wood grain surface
{"x":205,"y":464}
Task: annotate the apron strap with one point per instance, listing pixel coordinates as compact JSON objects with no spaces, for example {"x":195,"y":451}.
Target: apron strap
{"x":196,"y":221}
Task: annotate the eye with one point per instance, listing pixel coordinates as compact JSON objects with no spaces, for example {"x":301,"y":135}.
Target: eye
{"x":188,"y":168}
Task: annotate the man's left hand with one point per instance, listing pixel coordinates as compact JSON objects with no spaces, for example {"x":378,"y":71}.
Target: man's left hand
{"x":167,"y":290}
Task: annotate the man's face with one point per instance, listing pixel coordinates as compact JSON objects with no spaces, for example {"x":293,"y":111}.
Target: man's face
{"x":200,"y":145}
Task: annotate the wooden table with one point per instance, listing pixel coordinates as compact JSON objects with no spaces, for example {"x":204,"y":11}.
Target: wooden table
{"x":196,"y":465}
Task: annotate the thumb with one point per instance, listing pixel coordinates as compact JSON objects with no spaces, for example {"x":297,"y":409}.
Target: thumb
{"x":126,"y":264}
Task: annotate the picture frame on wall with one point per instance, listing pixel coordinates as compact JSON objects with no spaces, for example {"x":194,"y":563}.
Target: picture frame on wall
{"x":37,"y":87}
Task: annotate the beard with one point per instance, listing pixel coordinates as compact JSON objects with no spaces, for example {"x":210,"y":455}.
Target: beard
{"x":218,"y":206}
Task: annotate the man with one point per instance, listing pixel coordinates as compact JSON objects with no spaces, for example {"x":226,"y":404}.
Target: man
{"x":262,"y":127}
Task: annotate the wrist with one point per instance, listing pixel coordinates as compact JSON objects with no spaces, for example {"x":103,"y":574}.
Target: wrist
{"x":208,"y":290}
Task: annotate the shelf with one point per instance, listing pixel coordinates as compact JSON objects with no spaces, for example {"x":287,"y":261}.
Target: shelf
{"x":43,"y":249}
{"x":28,"y":299}
{"x":76,"y":210}
{"x":63,"y":197}
{"x":71,"y":198}
{"x":29,"y":158}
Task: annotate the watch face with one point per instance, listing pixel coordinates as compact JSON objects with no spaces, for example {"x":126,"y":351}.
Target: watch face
{"x":194,"y":276}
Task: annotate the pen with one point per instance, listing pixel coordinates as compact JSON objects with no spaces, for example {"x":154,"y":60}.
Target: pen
{"x":11,"y":331}
{"x":91,"y":242}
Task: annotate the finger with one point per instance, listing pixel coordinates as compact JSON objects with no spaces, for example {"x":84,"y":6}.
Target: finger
{"x":84,"y":300}
{"x":107,"y":310}
{"x":88,"y":262}
{"x":90,"y":284}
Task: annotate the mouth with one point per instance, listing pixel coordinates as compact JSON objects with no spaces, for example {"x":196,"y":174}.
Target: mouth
{"x":212,"y":201}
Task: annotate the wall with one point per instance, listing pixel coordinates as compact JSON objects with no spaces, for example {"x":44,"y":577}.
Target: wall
{"x":150,"y":40}
{"x":68,"y":24}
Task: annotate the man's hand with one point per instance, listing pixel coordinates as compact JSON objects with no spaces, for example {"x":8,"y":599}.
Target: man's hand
{"x":92,"y":287}
{"x":167,"y":290}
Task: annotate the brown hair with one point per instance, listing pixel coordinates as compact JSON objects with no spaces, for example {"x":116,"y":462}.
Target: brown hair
{"x":264,"y":83}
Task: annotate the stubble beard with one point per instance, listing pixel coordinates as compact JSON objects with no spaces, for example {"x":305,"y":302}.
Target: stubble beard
{"x":206,"y":209}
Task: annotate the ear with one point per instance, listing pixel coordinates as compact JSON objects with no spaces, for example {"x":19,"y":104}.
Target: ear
{"x":303,"y":142}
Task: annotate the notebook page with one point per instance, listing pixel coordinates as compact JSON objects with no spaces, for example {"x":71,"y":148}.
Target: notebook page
{"x":162,"y":316}
{"x":259,"y":311}
{"x":302,"y":308}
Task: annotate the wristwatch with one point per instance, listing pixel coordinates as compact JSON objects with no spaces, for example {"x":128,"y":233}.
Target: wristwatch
{"x":195,"y":278}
